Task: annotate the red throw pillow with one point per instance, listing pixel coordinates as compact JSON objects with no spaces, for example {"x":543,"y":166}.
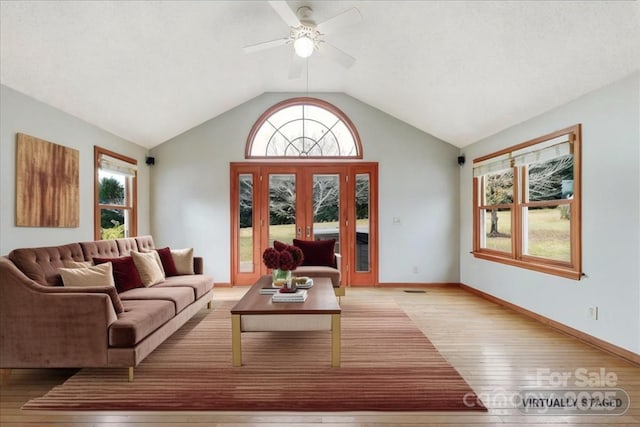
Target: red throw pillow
{"x":167,"y":262}
{"x":125,"y":273}
{"x":317,"y":253}
{"x":279,"y":246}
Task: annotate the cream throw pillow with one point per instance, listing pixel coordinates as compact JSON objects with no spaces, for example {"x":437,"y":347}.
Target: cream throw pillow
{"x":99,"y":275}
{"x":155,"y":252}
{"x":76,"y":264}
{"x":148,"y":268}
{"x":183,"y":259}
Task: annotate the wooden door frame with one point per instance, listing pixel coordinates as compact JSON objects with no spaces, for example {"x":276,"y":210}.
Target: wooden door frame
{"x":371,"y":277}
{"x":347,"y":172}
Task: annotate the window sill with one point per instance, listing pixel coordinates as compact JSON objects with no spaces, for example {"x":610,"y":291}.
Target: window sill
{"x":566,"y":272}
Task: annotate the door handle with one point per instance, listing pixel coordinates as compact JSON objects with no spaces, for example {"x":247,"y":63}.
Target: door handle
{"x":308,"y":231}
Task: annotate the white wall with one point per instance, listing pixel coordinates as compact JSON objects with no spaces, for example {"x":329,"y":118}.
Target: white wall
{"x":418,"y":180}
{"x":20,"y":113}
{"x":610,"y":219}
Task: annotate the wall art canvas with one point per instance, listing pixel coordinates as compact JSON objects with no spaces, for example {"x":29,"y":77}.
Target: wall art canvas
{"x":47,"y":184}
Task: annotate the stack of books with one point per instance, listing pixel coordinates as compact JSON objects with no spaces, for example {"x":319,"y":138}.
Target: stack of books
{"x":269,"y":290}
{"x":299,"y":295}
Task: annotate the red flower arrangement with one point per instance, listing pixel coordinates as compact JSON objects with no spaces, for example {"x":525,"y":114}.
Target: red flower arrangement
{"x":288,"y":258}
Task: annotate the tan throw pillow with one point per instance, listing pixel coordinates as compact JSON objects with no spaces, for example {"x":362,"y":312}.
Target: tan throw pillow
{"x":99,"y":275}
{"x":148,"y":268}
{"x":154,"y":251}
{"x":76,"y":264}
{"x":183,"y":259}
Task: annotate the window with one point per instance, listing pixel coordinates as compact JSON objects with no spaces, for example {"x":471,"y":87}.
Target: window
{"x":115,"y":195}
{"x":303,"y":128}
{"x":527,"y":204}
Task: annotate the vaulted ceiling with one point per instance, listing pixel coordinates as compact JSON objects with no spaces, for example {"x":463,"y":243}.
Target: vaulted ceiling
{"x":461,"y":71}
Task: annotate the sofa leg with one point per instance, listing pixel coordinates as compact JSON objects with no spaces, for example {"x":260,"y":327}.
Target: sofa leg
{"x":5,"y":373}
{"x":209,"y":305}
{"x":130,"y":374}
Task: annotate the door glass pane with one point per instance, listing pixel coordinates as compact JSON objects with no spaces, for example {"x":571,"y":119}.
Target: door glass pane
{"x":326,"y":208}
{"x":363,"y":197}
{"x":282,"y":208}
{"x":245,"y":233}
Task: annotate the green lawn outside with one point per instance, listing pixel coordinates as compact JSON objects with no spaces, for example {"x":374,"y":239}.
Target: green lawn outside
{"x":548,"y":234}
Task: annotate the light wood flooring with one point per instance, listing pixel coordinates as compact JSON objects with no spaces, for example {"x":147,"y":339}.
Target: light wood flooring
{"x":496,"y":350}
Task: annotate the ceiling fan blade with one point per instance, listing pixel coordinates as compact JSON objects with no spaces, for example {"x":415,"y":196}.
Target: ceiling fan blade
{"x":295,"y":69}
{"x":285,"y":12}
{"x":336,"y":54}
{"x":345,"y":19}
{"x":265,"y":45}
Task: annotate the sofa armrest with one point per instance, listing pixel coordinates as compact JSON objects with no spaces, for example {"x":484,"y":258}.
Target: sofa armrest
{"x":111,"y":291}
{"x":198,"y":265}
{"x":338,"y":261}
{"x":42,"y":326}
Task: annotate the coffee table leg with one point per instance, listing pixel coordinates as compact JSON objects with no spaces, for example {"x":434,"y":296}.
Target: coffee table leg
{"x":236,"y":341}
{"x":335,"y":340}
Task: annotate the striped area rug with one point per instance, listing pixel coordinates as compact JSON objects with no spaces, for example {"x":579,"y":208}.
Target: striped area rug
{"x":387,"y":365}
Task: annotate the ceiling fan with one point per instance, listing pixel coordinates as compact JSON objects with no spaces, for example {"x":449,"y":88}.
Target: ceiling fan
{"x":306,"y":35}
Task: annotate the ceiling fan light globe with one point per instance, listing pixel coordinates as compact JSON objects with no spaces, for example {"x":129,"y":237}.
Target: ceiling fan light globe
{"x":304,"y":47}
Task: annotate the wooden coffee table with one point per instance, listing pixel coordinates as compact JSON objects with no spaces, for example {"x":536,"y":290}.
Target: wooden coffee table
{"x":256,"y":313}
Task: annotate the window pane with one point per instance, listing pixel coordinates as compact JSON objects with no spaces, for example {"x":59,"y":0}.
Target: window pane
{"x":551,"y":180}
{"x":548,"y":233}
{"x":498,"y":188}
{"x":112,"y":188}
{"x":303,"y":131}
{"x":246,"y":223}
{"x":112,"y":223}
{"x":497,"y":229}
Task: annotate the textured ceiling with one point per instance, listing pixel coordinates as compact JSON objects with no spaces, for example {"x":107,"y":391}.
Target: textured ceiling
{"x":461,"y":71}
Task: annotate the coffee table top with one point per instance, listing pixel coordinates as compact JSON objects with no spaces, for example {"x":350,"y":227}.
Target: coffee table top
{"x":321,"y":299}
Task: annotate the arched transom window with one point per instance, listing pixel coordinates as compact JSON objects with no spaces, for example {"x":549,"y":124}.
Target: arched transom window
{"x":303,"y":128}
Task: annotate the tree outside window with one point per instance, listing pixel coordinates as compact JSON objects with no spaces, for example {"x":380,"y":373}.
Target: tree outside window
{"x":115,"y":211}
{"x":527,"y":204}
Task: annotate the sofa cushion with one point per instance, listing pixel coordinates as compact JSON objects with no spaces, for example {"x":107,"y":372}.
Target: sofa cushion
{"x":100,"y":249}
{"x":318,"y":252}
{"x":199,"y":283}
{"x":145,"y":243}
{"x":180,"y":296}
{"x":126,"y":245}
{"x":139,"y":319}
{"x":148,"y":267}
{"x":98,"y":275}
{"x":41,"y":264}
{"x":125,"y":273}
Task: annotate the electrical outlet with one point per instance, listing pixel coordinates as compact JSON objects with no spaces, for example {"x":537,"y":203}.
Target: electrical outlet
{"x":415,"y":269}
{"x":396,"y":220}
{"x":593,"y":313}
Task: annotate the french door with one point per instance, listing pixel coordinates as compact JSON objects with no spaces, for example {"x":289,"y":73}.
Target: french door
{"x":310,"y":201}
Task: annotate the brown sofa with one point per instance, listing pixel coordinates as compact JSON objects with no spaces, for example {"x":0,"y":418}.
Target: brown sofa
{"x":46,"y":325}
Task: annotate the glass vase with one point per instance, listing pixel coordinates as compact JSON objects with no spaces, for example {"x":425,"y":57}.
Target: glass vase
{"x":281,"y":277}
